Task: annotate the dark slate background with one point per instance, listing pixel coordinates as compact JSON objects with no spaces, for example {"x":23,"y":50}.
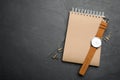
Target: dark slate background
{"x":31,"y":29}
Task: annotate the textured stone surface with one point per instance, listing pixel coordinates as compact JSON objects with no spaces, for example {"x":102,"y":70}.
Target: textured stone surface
{"x":31,"y":29}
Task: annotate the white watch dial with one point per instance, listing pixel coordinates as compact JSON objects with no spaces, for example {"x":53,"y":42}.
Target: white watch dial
{"x":96,"y":42}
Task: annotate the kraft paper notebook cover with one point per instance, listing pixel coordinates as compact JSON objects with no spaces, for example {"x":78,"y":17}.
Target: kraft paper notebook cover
{"x":82,"y":27}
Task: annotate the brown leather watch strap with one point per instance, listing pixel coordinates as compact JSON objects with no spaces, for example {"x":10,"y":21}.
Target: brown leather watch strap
{"x":92,"y":49}
{"x":101,"y":29}
{"x":87,"y":60}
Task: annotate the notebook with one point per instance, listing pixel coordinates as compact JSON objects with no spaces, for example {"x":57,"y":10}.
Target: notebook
{"x":82,"y":27}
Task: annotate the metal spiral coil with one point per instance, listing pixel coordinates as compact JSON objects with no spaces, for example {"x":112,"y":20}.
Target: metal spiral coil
{"x":88,"y":12}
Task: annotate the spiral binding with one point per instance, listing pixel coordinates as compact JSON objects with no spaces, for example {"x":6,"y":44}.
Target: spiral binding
{"x":88,"y":12}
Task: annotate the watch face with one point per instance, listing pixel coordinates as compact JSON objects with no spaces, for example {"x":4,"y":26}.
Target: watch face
{"x":96,"y":42}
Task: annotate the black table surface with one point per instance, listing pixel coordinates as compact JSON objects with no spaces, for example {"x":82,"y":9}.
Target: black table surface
{"x":31,"y":29}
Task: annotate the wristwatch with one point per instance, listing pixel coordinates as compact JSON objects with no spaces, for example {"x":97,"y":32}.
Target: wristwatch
{"x":95,"y":44}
